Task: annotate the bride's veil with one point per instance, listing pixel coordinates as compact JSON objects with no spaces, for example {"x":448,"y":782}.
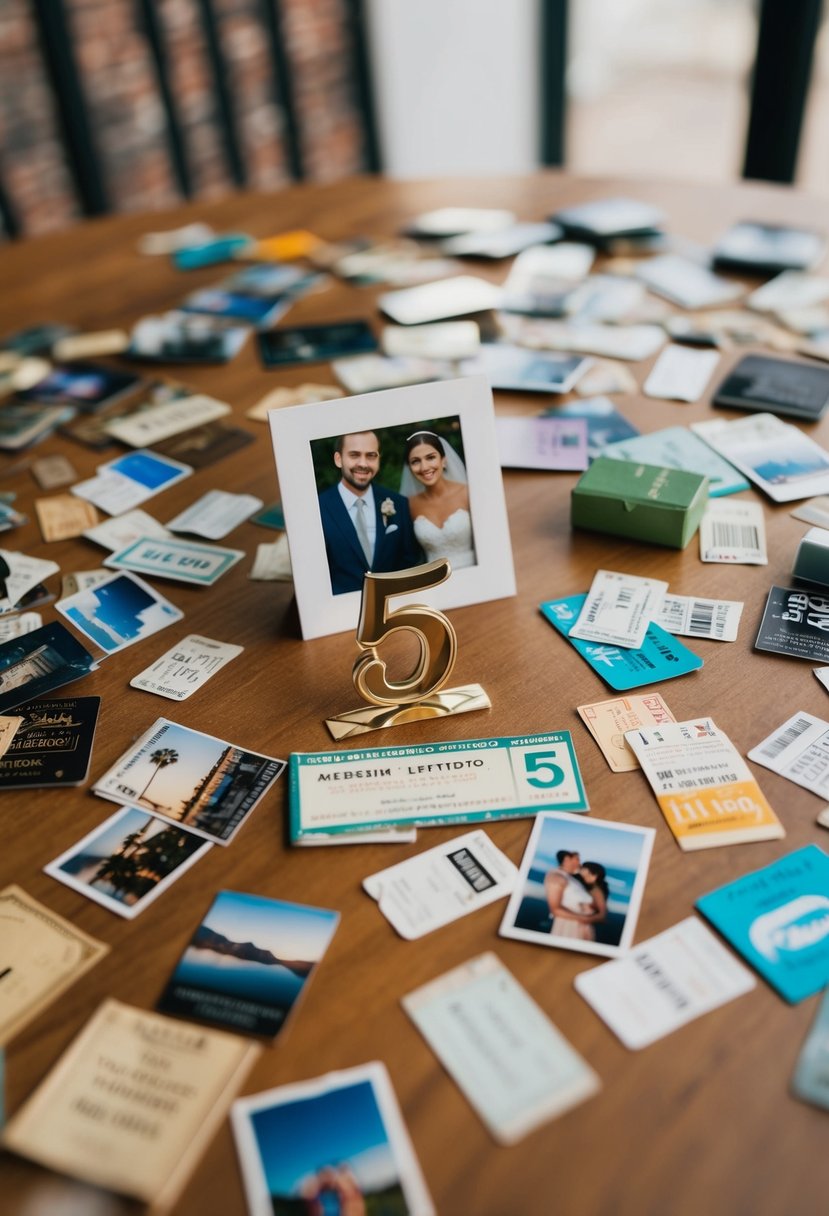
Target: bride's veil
{"x":455,"y":468}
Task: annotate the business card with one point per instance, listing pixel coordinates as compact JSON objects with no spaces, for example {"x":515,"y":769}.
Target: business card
{"x":183,"y":561}
{"x":607,"y":722}
{"x":703,"y":786}
{"x":618,"y":609}
{"x":467,"y":781}
{"x":442,"y":884}
{"x":734,"y":533}
{"x":799,"y":751}
{"x":664,"y":983}
{"x":146,"y":427}
{"x":693,"y":617}
{"x":185,"y":667}
{"x":508,"y":1059}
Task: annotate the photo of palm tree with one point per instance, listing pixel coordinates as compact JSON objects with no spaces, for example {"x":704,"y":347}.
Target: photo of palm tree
{"x":128,"y":860}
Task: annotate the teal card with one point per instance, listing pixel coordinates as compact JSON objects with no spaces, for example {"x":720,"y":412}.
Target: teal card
{"x":271,"y":517}
{"x":678,"y":448}
{"x":661,"y":656}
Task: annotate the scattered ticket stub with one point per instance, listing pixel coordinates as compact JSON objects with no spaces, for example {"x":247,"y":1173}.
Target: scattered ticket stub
{"x":215,"y":514}
{"x":434,"y":888}
{"x":146,"y":427}
{"x":733,"y":532}
{"x":703,"y":786}
{"x":618,"y":609}
{"x":16,"y":626}
{"x":185,"y":667}
{"x":509,"y":1060}
{"x":64,"y":516}
{"x":607,"y":722}
{"x":462,"y":782}
{"x":664,"y":983}
{"x":52,"y":472}
{"x":798,"y":750}
{"x":176,"y":559}
{"x":811,"y":1075}
{"x":700,"y":618}
{"x":122,"y":530}
{"x":681,"y":373}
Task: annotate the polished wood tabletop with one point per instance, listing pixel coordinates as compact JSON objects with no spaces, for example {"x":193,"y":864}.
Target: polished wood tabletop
{"x":701,"y":1120}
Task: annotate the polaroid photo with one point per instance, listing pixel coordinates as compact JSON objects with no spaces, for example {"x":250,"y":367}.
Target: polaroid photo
{"x":119,"y":612}
{"x":580,"y":884}
{"x":248,"y":963}
{"x":425,"y":462}
{"x":337,"y":1142}
{"x":191,"y":779}
{"x":128,"y":860}
{"x":39,"y":662}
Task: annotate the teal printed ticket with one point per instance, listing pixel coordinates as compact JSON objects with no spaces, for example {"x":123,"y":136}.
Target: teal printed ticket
{"x":176,"y":559}
{"x":465,"y":781}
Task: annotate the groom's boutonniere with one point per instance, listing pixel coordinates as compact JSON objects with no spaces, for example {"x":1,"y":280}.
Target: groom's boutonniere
{"x":387,"y":510}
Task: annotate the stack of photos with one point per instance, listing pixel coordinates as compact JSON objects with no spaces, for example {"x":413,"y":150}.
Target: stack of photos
{"x":248,"y":962}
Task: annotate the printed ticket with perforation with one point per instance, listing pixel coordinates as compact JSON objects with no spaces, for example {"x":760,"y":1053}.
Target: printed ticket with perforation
{"x":703,"y":786}
{"x":466,"y":781}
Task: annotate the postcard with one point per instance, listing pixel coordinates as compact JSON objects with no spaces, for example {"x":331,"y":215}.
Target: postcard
{"x":122,"y":530}
{"x":664,"y":983}
{"x":183,"y":561}
{"x":782,"y":461}
{"x":197,"y":781}
{"x":796,"y":623}
{"x":437,"y":887}
{"x":215,"y":514}
{"x":204,"y":445}
{"x":508,"y":1059}
{"x":798,"y":751}
{"x":126,"y":862}
{"x":248,"y":963}
{"x":734,"y":533}
{"x":441,"y":300}
{"x":580,"y":884}
{"x":607,"y":722}
{"x":810,"y":1082}
{"x":52,"y":745}
{"x":605,"y":425}
{"x":704,"y":788}
{"x":693,"y":617}
{"x":337,"y":1140}
{"x":777,"y":917}
{"x":64,"y":516}
{"x":187,"y":337}
{"x":661,"y":656}
{"x":518,"y":370}
{"x":439,"y":340}
{"x":677,"y":447}
{"x":19,"y":576}
{"x":618,"y":609}
{"x":39,"y":662}
{"x":185,"y":667}
{"x":681,"y":373}
{"x":119,"y":612}
{"x":542,"y":443}
{"x":468,"y":781}
{"x":52,"y":472}
{"x":150,"y":426}
{"x":126,"y":482}
{"x":132,"y":1103}
{"x":41,"y":956}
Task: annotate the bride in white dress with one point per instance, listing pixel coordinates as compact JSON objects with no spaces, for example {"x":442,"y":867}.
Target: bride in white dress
{"x":434,"y":481}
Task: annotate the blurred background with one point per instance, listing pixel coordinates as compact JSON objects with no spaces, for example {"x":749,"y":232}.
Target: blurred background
{"x":112,"y":105}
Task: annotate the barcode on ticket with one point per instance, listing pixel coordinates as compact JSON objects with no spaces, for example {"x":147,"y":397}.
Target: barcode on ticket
{"x":773,"y":747}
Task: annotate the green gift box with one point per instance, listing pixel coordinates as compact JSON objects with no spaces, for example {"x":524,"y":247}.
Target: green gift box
{"x":643,"y":501}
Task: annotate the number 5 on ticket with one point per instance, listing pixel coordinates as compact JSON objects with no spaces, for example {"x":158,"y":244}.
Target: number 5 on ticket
{"x":465,"y":781}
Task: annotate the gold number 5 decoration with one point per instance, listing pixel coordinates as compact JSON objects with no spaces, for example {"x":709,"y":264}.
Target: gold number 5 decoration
{"x":437,"y":638}
{"x":418,"y":696}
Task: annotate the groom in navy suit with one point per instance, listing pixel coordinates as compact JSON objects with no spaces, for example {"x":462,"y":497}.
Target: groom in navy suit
{"x":366,"y":526}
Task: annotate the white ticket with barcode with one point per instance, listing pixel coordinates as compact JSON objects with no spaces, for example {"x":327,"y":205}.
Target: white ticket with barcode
{"x":619,"y":608}
{"x":438,"y":886}
{"x":698,"y":618}
{"x":733,"y":532}
{"x":799,"y":751}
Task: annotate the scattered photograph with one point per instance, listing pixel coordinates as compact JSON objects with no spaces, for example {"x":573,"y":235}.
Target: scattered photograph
{"x":580,"y":885}
{"x":187,"y":337}
{"x":192,"y":779}
{"x":127,"y":861}
{"x":38,"y":662}
{"x":87,"y":386}
{"x":335,"y":1144}
{"x":248,"y":963}
{"x":119,"y":612}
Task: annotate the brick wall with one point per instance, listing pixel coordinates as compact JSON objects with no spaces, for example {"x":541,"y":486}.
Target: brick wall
{"x":127,"y":120}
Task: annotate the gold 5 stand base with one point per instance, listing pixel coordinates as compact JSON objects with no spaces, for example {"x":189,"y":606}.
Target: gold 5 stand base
{"x":380,"y":717}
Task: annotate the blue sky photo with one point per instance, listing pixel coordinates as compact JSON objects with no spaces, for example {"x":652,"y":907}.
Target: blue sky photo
{"x":620,"y":852}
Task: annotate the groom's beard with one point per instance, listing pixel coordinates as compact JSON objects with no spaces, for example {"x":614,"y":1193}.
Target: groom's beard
{"x":350,"y":478}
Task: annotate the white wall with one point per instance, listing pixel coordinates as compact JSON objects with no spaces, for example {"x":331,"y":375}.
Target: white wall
{"x":456,"y":85}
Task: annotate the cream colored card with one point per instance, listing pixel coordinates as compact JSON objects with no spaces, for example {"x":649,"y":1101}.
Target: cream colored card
{"x":8,"y":729}
{"x":148,"y":426}
{"x":607,"y":722}
{"x":64,"y":516}
{"x":41,"y":955}
{"x":52,"y":472}
{"x":301,"y":394}
{"x":91,"y":346}
{"x":132,"y":1103}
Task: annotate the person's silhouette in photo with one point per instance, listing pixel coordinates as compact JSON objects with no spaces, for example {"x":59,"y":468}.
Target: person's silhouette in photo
{"x":366,"y":525}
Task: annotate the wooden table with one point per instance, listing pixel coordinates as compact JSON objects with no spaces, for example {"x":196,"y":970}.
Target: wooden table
{"x":701,"y":1119}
